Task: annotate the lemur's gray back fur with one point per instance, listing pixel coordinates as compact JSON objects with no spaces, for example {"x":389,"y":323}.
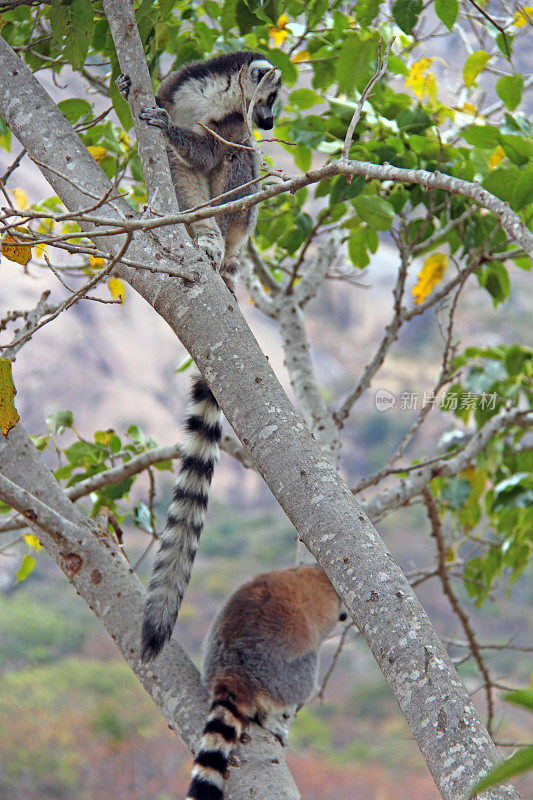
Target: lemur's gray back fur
{"x":204,"y":167}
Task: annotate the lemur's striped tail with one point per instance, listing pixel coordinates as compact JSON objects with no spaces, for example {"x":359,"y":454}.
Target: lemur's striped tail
{"x":185,"y":520}
{"x":222,"y":731}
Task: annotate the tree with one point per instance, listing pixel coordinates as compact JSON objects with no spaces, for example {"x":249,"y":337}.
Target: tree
{"x":440,"y":181}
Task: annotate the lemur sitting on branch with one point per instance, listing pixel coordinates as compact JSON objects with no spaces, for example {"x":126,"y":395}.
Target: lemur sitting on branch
{"x":261,"y":664}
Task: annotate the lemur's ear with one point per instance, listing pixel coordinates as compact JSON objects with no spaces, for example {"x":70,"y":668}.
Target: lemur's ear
{"x":257,"y":73}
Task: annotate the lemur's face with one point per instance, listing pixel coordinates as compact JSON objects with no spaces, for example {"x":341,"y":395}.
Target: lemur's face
{"x":265,"y":98}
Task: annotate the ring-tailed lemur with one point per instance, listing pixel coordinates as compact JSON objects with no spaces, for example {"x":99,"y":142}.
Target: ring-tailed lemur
{"x":261,"y":664}
{"x":204,"y":167}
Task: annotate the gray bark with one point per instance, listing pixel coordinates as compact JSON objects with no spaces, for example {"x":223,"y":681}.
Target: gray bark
{"x":331,"y":523}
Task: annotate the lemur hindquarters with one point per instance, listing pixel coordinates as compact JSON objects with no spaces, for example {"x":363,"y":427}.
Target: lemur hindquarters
{"x":203,"y":167}
{"x":261,"y":664}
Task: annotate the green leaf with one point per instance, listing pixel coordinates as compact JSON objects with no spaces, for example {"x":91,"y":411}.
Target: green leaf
{"x":520,"y":762}
{"x":28,"y":563}
{"x":366,"y":11}
{"x":502,"y":182}
{"x":357,"y":250}
{"x":474,"y":64}
{"x":281,"y":60}
{"x":353,"y":66}
{"x":85,"y":454}
{"x":377,"y":211}
{"x":164,"y":465}
{"x":457,"y":492}
{"x":115,"y":445}
{"x":63,"y":472}
{"x":119,"y":104}
{"x":342,"y":190}
{"x":486,"y":136}
{"x":40,"y":442}
{"x":304,"y":98}
{"x":509,"y":89}
{"x":72,"y":27}
{"x":405,"y":13}
{"x":59,"y":421}
{"x":446,"y":11}
{"x":74,"y":108}
{"x":115,"y":491}
{"x":302,"y":157}
{"x":522,"y":697}
{"x":523,"y":191}
{"x":5,"y":136}
{"x":495,"y":278}
{"x":516,"y":358}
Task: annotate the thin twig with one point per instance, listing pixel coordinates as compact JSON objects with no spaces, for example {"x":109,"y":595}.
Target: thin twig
{"x":347,"y":628}
{"x":75,"y":296}
{"x":381,"y":70}
{"x":436,"y":529}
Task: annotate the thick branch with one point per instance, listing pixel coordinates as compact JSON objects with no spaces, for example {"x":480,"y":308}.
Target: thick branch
{"x":509,"y":220}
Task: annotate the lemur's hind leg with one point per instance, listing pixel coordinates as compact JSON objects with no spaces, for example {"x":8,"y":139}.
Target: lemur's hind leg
{"x":236,"y":237}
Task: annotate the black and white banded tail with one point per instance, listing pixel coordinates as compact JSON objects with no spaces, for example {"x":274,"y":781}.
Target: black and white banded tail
{"x":222,"y":731}
{"x":185,"y":520}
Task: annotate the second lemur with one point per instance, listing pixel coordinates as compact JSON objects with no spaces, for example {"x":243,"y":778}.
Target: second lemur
{"x":200,"y":96}
{"x":261,"y":664}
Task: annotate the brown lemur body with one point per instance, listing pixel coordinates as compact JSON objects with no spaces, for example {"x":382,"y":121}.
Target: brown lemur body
{"x":261,"y":664}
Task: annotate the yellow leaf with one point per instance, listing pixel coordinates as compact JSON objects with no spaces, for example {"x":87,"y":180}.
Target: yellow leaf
{"x":474,"y":64}
{"x":496,"y":157}
{"x":278,"y":36}
{"x":96,"y":262}
{"x":116,"y":287}
{"x":8,"y":413}
{"x":103,"y":437}
{"x":97,"y":152}
{"x":14,"y":250}
{"x":523,"y":17}
{"x":420,"y":80}
{"x":278,"y":32}
{"x":302,"y":55}
{"x":33,"y":541}
{"x":431,"y":273}
{"x":20,"y":199}
{"x":450,"y":554}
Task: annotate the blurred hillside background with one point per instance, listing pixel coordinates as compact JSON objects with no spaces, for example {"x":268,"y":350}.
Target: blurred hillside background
{"x":74,"y":721}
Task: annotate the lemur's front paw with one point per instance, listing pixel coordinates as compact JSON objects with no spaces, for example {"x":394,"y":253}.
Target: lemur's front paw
{"x":156,"y":116}
{"x":213,"y":247}
{"x":124,"y":85}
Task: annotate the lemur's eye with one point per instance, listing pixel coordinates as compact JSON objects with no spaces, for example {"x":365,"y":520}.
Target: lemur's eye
{"x":271,"y":99}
